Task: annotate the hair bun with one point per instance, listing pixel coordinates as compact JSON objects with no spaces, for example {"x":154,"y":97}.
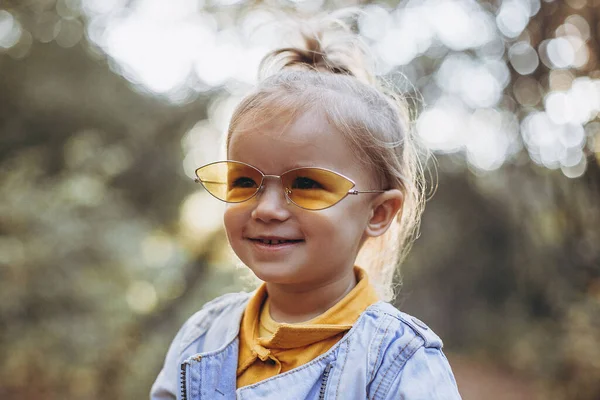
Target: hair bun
{"x":327,"y":44}
{"x":312,"y":56}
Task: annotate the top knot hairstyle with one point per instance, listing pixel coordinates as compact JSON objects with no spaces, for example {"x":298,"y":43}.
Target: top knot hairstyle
{"x":327,"y":45}
{"x":331,"y":71}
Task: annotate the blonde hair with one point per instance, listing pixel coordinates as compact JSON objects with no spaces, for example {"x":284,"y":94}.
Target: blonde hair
{"x":332,"y":70}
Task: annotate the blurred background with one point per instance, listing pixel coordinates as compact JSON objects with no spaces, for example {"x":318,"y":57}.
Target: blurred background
{"x":107,"y":245}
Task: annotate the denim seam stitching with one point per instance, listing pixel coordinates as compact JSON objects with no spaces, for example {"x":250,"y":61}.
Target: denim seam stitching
{"x":337,"y":390}
{"x":393,"y":361}
{"x":375,"y":338}
{"x":380,"y":347}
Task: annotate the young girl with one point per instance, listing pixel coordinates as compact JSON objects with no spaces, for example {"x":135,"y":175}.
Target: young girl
{"x":320,"y":166}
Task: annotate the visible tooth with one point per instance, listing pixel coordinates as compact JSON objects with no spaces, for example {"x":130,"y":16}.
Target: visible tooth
{"x":273,"y":241}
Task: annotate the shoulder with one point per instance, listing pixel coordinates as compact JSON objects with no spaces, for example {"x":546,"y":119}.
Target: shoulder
{"x":414,"y":326}
{"x":216,"y":316}
{"x":215,"y":310}
{"x":409,"y":358}
{"x":404,"y":328}
{"x":396,"y":337}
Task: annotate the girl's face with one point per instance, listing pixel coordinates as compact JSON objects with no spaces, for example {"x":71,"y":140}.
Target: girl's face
{"x":327,"y":240}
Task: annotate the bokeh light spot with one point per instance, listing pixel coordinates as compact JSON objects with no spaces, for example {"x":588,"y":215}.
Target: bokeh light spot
{"x":10,"y":30}
{"x":102,"y":6}
{"x":201,"y":215}
{"x":576,"y":170}
{"x":374,"y":23}
{"x":523,"y":58}
{"x":439,"y":127}
{"x":560,"y":52}
{"x":577,"y":4}
{"x":141,"y":297}
{"x":84,"y":190}
{"x":580,"y":24}
{"x":560,"y":80}
{"x":527,"y":91}
{"x":157,"y":249}
{"x":558,"y":107}
{"x":487,"y":145}
{"x":512,"y":18}
{"x":461,"y":25}
{"x":70,"y":32}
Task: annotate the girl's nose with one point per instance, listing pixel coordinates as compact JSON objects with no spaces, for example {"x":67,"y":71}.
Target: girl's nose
{"x":271,"y":202}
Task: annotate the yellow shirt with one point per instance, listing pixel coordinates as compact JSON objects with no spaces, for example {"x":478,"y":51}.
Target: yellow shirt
{"x":268,"y":348}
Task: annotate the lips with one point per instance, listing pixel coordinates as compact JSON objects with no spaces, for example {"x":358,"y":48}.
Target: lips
{"x":274,"y":247}
{"x":274,"y":240}
{"x":277,"y":241}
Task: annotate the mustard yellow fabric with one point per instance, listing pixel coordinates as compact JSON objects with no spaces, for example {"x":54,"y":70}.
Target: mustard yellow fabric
{"x":268,"y":348}
{"x":267,"y":326}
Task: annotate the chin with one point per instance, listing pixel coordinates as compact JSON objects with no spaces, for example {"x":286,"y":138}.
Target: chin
{"x":274,"y":274}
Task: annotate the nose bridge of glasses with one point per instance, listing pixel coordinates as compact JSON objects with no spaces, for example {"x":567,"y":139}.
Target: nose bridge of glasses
{"x":274,"y":177}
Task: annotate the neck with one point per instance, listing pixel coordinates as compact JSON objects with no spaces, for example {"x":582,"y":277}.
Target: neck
{"x":286,"y":306}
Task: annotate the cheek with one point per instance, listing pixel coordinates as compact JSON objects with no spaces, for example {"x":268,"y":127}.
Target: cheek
{"x":353,"y":222}
{"x":233,"y":220}
{"x":341,"y":228}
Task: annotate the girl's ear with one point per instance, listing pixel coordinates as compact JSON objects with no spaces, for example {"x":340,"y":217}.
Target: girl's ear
{"x":383,"y":211}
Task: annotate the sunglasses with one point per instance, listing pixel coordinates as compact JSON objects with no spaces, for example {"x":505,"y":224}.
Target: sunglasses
{"x":308,"y":187}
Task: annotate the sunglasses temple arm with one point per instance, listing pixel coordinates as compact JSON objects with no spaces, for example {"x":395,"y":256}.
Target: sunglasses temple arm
{"x":207,"y":181}
{"x":364,"y":191}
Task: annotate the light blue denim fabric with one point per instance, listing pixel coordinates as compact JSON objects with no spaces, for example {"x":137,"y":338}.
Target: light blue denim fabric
{"x":386,"y":355}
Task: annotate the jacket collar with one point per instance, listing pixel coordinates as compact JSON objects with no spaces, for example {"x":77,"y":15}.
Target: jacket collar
{"x":223,"y":336}
{"x":221,"y":326}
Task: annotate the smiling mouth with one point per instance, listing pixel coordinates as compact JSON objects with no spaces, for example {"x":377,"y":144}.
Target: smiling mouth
{"x":275,"y":242}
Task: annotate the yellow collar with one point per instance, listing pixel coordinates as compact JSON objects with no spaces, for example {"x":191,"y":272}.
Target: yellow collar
{"x":334,"y":321}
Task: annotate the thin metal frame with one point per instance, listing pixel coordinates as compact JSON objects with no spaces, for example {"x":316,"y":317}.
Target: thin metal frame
{"x":286,"y":191}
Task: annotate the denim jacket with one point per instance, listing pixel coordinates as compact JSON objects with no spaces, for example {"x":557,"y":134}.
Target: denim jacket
{"x":386,"y":355}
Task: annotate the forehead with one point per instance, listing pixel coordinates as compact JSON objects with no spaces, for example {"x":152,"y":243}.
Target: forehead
{"x":285,"y":141}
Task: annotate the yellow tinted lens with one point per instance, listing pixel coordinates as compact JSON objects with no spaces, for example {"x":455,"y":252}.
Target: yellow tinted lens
{"x":315,"y":188}
{"x":230,"y":181}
